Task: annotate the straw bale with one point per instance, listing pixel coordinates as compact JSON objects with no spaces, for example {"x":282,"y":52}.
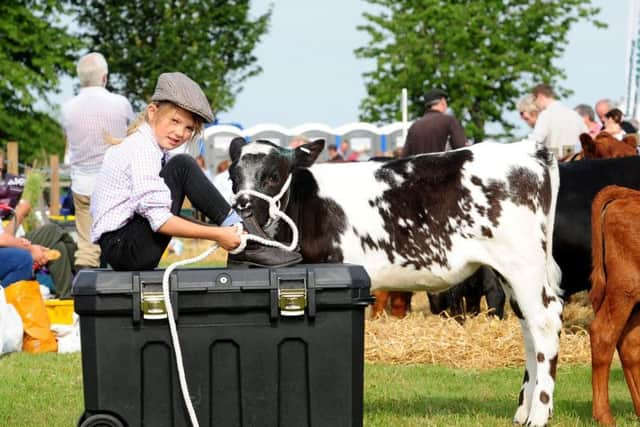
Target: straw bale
{"x":482,"y":342}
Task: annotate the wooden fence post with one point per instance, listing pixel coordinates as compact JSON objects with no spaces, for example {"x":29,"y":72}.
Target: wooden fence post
{"x":54,"y":203}
{"x":12,"y":158}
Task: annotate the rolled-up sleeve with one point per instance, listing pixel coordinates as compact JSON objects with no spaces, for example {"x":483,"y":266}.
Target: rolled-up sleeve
{"x":152,"y":196}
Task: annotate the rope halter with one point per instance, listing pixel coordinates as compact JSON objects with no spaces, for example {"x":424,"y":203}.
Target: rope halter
{"x":274,"y":215}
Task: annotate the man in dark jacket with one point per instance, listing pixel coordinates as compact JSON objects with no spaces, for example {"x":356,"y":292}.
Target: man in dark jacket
{"x":435,"y":129}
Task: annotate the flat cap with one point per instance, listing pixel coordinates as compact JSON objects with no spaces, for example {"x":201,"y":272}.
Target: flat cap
{"x":434,"y":95}
{"x":184,"y":92}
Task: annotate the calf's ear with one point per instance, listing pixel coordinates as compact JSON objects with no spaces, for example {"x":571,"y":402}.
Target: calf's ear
{"x":306,"y":154}
{"x":235,"y":147}
{"x":588,"y":146}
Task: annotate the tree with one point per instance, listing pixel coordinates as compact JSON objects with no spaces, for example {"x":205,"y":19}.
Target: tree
{"x":212,"y":41}
{"x":486,"y":53}
{"x":34,"y":52}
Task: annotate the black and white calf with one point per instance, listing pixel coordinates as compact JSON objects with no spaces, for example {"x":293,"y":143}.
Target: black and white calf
{"x":426,"y":223}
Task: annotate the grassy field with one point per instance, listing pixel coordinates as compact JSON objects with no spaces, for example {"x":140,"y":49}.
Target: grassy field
{"x":46,"y":390}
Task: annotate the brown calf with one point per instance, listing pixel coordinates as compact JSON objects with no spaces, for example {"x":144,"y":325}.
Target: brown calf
{"x":614,"y":294}
{"x":606,"y":146}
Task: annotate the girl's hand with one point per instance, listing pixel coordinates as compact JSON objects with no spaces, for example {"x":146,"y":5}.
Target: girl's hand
{"x":228,"y":238}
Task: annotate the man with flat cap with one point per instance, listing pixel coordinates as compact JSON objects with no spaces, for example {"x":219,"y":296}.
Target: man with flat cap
{"x":435,"y":131}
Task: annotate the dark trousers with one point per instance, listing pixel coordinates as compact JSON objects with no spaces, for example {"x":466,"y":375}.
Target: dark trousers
{"x":54,"y":237}
{"x":135,"y":246}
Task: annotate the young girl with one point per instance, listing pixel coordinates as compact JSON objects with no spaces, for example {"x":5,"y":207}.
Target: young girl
{"x":138,"y":197}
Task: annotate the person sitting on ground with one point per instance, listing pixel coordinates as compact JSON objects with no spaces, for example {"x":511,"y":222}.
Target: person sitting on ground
{"x":18,"y":255}
{"x":59,"y":246}
{"x":137,"y":200}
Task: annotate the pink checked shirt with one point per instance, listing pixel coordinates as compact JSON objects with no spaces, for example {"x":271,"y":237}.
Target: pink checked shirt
{"x":85,"y":119}
{"x":129,"y":182}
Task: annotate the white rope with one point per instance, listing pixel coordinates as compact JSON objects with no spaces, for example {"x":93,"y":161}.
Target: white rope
{"x":174,"y":332}
{"x":274,"y":213}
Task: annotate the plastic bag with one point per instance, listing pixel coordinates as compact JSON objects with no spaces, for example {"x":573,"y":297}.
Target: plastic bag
{"x":10,"y":326}
{"x":26,"y":298}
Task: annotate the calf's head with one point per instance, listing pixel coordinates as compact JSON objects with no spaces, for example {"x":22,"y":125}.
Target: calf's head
{"x":605,"y":146}
{"x":264,"y":167}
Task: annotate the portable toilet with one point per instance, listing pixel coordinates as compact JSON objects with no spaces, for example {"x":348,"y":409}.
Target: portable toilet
{"x":216,"y":144}
{"x":272,"y":132}
{"x":392,"y":136}
{"x":314,"y":131}
{"x":363,"y":138}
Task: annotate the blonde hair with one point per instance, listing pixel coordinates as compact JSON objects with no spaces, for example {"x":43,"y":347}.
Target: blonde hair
{"x":164,"y":108}
{"x":527,"y":104}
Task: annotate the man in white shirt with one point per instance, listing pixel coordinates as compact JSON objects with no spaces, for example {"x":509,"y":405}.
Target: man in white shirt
{"x":558,"y":126}
{"x":86,"y":119}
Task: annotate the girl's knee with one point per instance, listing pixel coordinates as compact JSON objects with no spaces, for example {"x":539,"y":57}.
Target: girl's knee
{"x":183,"y":160}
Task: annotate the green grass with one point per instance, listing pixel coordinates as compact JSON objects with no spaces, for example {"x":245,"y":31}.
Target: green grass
{"x":46,"y":390}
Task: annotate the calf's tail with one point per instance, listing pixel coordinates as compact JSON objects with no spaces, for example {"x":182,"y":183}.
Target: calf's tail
{"x":598,"y":211}
{"x":554,"y":274}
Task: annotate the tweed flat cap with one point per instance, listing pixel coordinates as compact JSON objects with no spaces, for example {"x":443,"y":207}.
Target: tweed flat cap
{"x":434,"y":95}
{"x":184,"y":92}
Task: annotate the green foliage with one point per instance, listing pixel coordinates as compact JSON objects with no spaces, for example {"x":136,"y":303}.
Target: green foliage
{"x":486,"y":53}
{"x":34,"y":52}
{"x":212,"y":41}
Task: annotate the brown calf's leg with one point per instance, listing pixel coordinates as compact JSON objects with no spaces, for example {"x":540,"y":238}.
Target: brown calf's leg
{"x":380,"y":304}
{"x":629,"y":350}
{"x":400,"y":303}
{"x":604,"y":332}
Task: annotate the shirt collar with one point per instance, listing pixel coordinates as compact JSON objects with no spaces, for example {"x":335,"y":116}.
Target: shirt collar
{"x":93,"y":89}
{"x":147,"y":132}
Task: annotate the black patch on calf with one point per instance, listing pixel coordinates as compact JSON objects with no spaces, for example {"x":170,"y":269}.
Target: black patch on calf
{"x":523,"y":187}
{"x":516,"y":309}
{"x":429,"y":196}
{"x":544,"y":397}
{"x":320,"y":221}
{"x":546,"y":299}
{"x":495,"y":192}
{"x":553,"y":365}
{"x":540,"y":357}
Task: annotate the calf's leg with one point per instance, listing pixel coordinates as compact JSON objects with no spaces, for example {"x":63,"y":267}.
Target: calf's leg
{"x":605,"y":331}
{"x":382,"y":297}
{"x":539,"y":307}
{"x":629,"y":350}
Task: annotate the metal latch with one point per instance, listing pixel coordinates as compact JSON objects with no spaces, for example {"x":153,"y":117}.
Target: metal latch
{"x":292,"y":302}
{"x":152,"y":305}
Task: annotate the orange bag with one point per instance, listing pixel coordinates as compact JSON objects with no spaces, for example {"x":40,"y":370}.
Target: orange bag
{"x":26,"y":298}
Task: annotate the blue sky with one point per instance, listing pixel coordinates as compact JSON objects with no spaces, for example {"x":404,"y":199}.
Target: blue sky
{"x":310,"y":73}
